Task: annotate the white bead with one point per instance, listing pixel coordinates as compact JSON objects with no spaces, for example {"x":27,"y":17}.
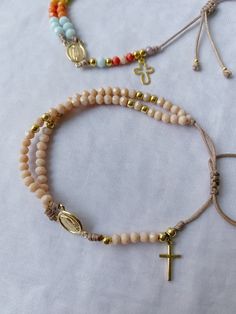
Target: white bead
{"x":138,"y":105}
{"x":158,"y":115}
{"x":173,"y":119}
{"x":151,"y":112}
{"x":165,"y":118}
{"x":134,"y":237}
{"x":132,"y":93}
{"x":146,"y":97}
{"x":182,"y":120}
{"x":153,"y":237}
{"x":181,"y":112}
{"x":107,"y":99}
{"x":161,"y":101}
{"x":167,"y":105}
{"x":174,"y":109}
{"x":125,"y":238}
{"x":144,"y":237}
{"x":116,"y":239}
{"x":116,"y":100}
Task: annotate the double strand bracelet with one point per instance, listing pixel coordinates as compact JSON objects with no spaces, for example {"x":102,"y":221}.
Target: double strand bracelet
{"x":34,"y":170}
{"x":77,"y":53}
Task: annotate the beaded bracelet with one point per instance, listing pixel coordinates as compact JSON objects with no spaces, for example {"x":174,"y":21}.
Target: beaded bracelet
{"x":77,"y":53}
{"x":34,"y":170}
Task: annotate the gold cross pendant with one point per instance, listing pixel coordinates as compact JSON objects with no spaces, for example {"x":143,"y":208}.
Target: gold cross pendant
{"x":170,"y":256}
{"x":144,"y":71}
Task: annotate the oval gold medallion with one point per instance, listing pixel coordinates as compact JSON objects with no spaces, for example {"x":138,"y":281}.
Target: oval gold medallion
{"x":70,"y":222}
{"x":76,"y":52}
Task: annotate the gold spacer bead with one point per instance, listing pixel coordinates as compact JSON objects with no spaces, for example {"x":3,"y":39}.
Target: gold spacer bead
{"x":46,"y":117}
{"x":35,"y":128}
{"x":153,"y":99}
{"x":50,"y":124}
{"x":142,"y":53}
{"x":171,"y":232}
{"x":139,"y":95}
{"x":107,"y":240}
{"x":136,"y":55}
{"x":162,"y":236}
{"x":108,"y":62}
{"x":144,"y":109}
{"x":92,"y":62}
{"x":130,"y":103}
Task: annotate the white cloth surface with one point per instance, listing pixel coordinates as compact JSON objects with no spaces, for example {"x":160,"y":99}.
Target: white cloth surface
{"x":118,"y":169}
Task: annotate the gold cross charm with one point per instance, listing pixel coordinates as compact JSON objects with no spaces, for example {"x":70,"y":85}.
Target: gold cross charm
{"x":144,"y":71}
{"x":170,"y":256}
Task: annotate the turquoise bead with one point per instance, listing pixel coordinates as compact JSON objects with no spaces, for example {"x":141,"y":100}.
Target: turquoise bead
{"x":70,"y":33}
{"x":67,"y":26}
{"x":54,"y":25}
{"x":53,"y":19}
{"x":63,"y":20}
{"x":59,"y":30}
{"x":101,"y":63}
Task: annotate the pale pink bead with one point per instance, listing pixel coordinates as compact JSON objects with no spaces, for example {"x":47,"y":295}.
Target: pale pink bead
{"x":42,"y":179}
{"x":124,"y":92}
{"x":93,"y":92}
{"x":161,"y":101}
{"x":69,"y":104}
{"x":25,"y":174}
{"x":108,"y":91}
{"x":53,"y":112}
{"x":116,"y":100}
{"x":182,"y":120}
{"x":134,"y":237}
{"x":46,"y":199}
{"x":39,"y":122}
{"x":26,"y":142}
{"x":132,"y":93}
{"x":153,"y":237}
{"x":76,"y":100}
{"x":101,"y":91}
{"x":40,"y":162}
{"x":24,"y":166}
{"x":165,"y":118}
{"x":42,"y":146}
{"x":116,"y":91}
{"x":28,"y":181}
{"x":61,"y":109}
{"x":99,"y":99}
{"x":167,"y":105}
{"x":24,"y":150}
{"x":92,"y":99}
{"x":181,"y":112}
{"x":47,"y":131}
{"x":189,"y":118}
{"x":40,"y":154}
{"x":44,"y":138}
{"x":85,"y":93}
{"x":107,"y":99}
{"x":125,"y":238}
{"x":158,"y":115}
{"x":84,"y":100}
{"x":123,"y":60}
{"x":174,"y":109}
{"x":23,"y":158}
{"x":123,"y":101}
{"x":40,"y":170}
{"x":44,"y":186}
{"x":146,"y":97}
{"x":151,"y":112}
{"x":138,"y":105}
{"x":40,"y":192}
{"x":144,"y":237}
{"x":173,"y":119}
{"x":29,"y":135}
{"x":33,"y":186}
{"x":116,"y":239}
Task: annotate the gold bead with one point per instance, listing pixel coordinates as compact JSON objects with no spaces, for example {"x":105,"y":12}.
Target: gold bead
{"x":139,"y":95}
{"x":130,"y":103}
{"x":162,"y":236}
{"x":46,"y":117}
{"x":107,"y":240}
{"x":92,"y":62}
{"x":136,"y":55}
{"x":227,"y":73}
{"x":171,"y":232}
{"x":35,"y":128}
{"x":144,"y":109}
{"x":108,"y":62}
{"x":143,"y":53}
{"x":50,"y":124}
{"x":153,"y":99}
{"x":196,"y":65}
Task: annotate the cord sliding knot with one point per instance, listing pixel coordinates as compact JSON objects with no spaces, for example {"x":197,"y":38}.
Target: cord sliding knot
{"x":52,"y":211}
{"x":215,"y":182}
{"x":209,"y":7}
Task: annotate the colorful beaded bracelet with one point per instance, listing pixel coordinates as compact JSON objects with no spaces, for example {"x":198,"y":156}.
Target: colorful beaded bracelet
{"x":34,"y":170}
{"x":77,"y":53}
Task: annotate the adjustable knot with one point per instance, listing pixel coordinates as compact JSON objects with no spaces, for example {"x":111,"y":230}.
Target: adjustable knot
{"x":52,"y":211}
{"x":215,"y":182}
{"x":209,"y":7}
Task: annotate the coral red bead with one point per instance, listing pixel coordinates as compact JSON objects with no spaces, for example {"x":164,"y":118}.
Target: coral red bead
{"x":53,"y":14}
{"x":129,"y":57}
{"x":116,"y":61}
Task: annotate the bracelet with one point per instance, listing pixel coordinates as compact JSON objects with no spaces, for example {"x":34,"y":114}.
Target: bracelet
{"x":34,"y":170}
{"x":77,"y":53}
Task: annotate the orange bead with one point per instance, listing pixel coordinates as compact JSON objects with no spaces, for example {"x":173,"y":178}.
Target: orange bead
{"x":53,"y":14}
{"x":61,"y":14}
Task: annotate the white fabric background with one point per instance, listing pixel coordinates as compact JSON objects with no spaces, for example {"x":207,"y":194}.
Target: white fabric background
{"x":118,"y":169}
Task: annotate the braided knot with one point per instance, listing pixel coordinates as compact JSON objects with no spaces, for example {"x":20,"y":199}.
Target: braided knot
{"x":215,"y":182}
{"x":52,"y":211}
{"x":209,"y":7}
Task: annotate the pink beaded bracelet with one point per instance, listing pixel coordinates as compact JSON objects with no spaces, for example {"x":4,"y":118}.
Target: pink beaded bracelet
{"x":34,"y":170}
